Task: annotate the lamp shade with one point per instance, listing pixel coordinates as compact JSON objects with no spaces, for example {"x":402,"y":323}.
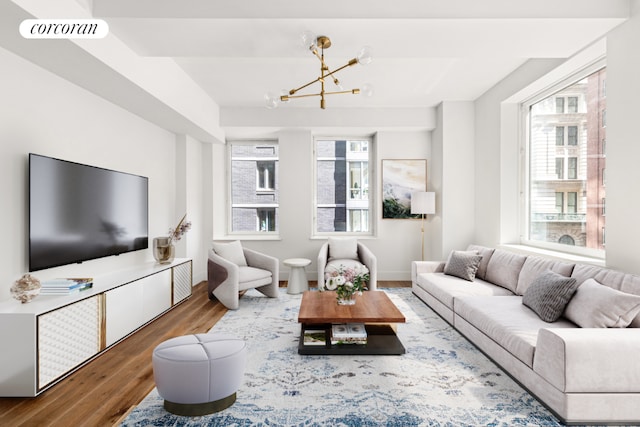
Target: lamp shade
{"x":423,"y":202}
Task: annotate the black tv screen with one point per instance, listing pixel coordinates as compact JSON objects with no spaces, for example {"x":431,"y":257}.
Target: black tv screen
{"x":79,"y":212}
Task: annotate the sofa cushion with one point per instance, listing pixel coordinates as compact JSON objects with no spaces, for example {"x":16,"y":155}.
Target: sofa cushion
{"x":251,"y":277}
{"x":506,"y":321}
{"x":343,"y":248}
{"x":549,"y":294}
{"x":445,"y":288}
{"x":231,"y":251}
{"x":598,"y":306}
{"x":463,"y":264}
{"x":504,"y":268}
{"x":534,"y":266}
{"x":486,"y":256}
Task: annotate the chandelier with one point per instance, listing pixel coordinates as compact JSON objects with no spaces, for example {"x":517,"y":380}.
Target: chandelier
{"x":317,"y":45}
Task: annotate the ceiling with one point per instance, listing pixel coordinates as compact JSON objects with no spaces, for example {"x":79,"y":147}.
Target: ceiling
{"x":425,"y":51}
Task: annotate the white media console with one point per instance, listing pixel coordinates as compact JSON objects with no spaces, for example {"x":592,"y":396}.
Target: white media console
{"x":45,"y":340}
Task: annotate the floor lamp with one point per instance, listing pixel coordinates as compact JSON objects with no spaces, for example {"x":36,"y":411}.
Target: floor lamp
{"x":423,"y":203}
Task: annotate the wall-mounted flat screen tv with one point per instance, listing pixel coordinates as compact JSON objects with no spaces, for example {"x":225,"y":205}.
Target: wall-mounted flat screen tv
{"x":79,"y":212}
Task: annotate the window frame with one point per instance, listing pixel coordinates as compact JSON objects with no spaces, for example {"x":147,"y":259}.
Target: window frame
{"x":525,"y":179}
{"x":371,"y":175}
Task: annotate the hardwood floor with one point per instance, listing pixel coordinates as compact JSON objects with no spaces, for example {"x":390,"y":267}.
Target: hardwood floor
{"x":102,"y":392}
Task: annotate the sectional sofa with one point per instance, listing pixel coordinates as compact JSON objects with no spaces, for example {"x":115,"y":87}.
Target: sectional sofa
{"x":584,"y":366}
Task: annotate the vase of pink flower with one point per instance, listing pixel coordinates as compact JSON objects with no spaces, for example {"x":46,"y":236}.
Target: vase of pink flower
{"x":347,"y":283}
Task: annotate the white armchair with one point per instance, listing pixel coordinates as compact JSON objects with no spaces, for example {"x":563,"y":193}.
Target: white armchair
{"x":232,"y":268}
{"x":346,"y":251}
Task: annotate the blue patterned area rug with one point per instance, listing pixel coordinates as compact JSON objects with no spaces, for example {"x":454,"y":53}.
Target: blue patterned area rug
{"x":442,"y":380}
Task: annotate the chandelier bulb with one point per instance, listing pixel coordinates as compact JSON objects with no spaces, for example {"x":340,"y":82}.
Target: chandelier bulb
{"x":364,"y":56}
{"x":308,"y":41}
{"x":271,"y":100}
{"x":367,"y":90}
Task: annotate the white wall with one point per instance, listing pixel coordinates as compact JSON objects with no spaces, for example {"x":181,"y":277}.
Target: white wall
{"x":397,"y":242}
{"x":190,"y":199}
{"x":453,"y":159}
{"x":45,"y":114}
{"x":623,"y":146}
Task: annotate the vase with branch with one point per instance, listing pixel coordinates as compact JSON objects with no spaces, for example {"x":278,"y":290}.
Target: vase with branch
{"x":163,"y":247}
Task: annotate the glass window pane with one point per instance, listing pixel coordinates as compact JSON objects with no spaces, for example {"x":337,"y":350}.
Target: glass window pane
{"x":342,"y":185}
{"x":559,"y":168}
{"x":572,"y":106}
{"x":572,"y":135}
{"x":559,"y":135}
{"x":573,"y":168}
{"x":566,"y":140}
{"x":253,"y":187}
{"x":559,"y":202}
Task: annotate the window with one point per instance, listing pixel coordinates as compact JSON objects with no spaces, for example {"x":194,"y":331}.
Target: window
{"x":572,"y":170}
{"x":559,"y":168}
{"x":559,"y":135}
{"x":253,"y":187}
{"x":565,"y":164}
{"x":560,"y":203}
{"x":266,"y":219}
{"x":572,"y":135}
{"x":266,"y":175}
{"x":342,"y":193}
{"x":572,"y":106}
{"x":572,"y":202}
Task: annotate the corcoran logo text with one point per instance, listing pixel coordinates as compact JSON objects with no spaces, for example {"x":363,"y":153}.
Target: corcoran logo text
{"x":64,"y":28}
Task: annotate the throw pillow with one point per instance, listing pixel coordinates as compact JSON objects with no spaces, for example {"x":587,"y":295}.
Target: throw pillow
{"x":343,"y":248}
{"x":549,"y":294}
{"x":599,"y":306}
{"x":231,"y":251}
{"x":463,"y":264}
{"x":486,"y":256}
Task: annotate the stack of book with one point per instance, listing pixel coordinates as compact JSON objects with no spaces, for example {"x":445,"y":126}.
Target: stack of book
{"x":348,"y":333}
{"x":65,"y":286}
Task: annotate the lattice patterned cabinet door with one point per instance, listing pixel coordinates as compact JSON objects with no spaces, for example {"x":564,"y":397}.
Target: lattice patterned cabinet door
{"x":67,"y":337}
{"x":181,"y":282}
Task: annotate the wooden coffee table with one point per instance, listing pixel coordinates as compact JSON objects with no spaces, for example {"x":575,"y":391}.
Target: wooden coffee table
{"x":320,"y":310}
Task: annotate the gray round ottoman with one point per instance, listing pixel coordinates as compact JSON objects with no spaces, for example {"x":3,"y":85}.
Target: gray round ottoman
{"x":199,"y":374}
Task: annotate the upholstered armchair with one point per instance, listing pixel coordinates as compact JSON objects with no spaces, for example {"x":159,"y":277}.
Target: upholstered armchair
{"x":232,"y":268}
{"x":347,"y":252}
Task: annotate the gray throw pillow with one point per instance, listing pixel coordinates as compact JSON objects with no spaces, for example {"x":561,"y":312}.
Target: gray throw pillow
{"x":463,"y":264}
{"x":549,"y":294}
{"x":598,"y":306}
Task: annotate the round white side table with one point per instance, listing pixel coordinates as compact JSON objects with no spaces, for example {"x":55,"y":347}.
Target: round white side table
{"x":298,"y":282}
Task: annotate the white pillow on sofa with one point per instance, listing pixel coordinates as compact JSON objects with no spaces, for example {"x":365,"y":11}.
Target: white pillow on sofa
{"x":231,"y":251}
{"x":343,"y":248}
{"x":599,"y":306}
